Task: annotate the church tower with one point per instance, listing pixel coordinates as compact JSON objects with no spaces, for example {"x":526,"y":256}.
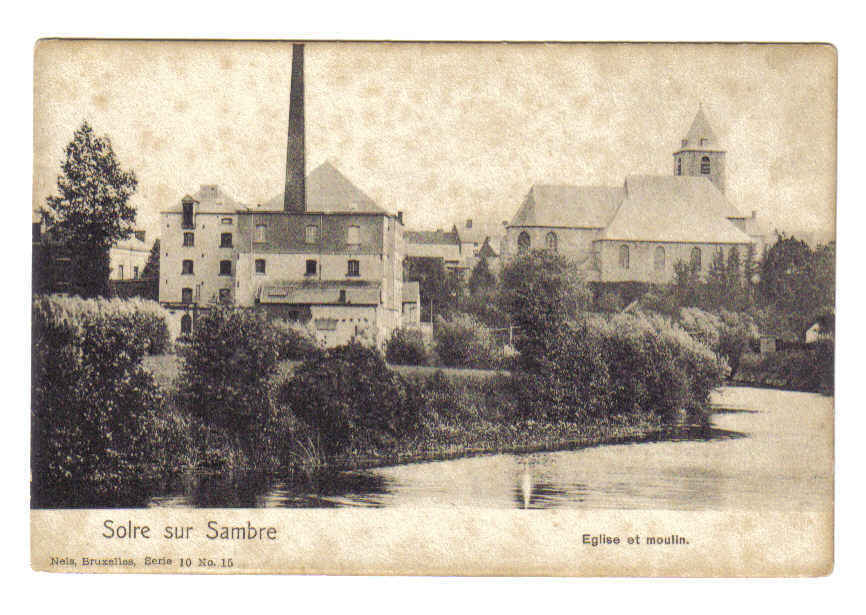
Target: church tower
{"x":700,"y":155}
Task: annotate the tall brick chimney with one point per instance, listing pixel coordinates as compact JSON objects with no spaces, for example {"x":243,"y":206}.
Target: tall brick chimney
{"x":295,"y":196}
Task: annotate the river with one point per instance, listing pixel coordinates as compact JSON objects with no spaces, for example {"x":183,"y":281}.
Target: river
{"x":767,"y":450}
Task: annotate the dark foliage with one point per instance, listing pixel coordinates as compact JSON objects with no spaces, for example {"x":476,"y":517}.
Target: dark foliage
{"x":350,"y":398}
{"x":100,"y":427}
{"x":227,"y":366}
{"x":151,"y":267}
{"x":407,"y":347}
{"x":92,"y":211}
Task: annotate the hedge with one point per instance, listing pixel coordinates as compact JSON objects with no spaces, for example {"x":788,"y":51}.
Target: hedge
{"x":100,"y":427}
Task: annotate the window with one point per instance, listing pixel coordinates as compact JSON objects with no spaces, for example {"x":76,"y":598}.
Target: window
{"x":260,"y":265}
{"x":225,"y":295}
{"x":226,"y":221}
{"x":354,"y":269}
{"x":660,"y":259}
{"x":312,"y":234}
{"x":120,"y":272}
{"x":705,"y":165}
{"x":679,"y":166}
{"x":187,"y":216}
{"x":311,"y":267}
{"x":135,"y":273}
{"x":225,"y":267}
{"x":523,"y":243}
{"x":353,"y":236}
{"x":262,"y":232}
{"x":550,"y":242}
{"x":186,"y":322}
{"x":186,"y":295}
{"x":188,"y":240}
{"x":186,"y":267}
{"x":342,"y":296}
{"x":695,"y":259}
{"x":623,"y":257}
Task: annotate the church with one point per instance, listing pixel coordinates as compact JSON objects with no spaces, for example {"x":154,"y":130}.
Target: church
{"x":638,"y":231}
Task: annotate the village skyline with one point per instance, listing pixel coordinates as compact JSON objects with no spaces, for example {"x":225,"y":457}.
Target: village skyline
{"x":431,"y":129}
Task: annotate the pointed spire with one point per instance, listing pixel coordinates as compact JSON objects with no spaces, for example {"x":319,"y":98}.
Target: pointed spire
{"x":294,"y":198}
{"x":700,"y":134}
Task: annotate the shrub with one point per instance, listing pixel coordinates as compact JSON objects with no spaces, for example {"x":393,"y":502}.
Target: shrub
{"x":702,"y":326}
{"x":350,"y":398}
{"x":464,"y":342}
{"x":809,"y":369}
{"x":100,"y":427}
{"x":610,"y":301}
{"x":407,"y":347}
{"x":227,"y":366}
{"x":295,"y":341}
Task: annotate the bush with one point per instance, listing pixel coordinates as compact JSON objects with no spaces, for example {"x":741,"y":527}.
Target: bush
{"x":702,"y":326}
{"x":610,"y":301}
{"x":100,"y":427}
{"x":295,"y":341}
{"x":809,"y":369}
{"x":350,"y":398}
{"x":407,"y":347}
{"x":227,"y":367}
{"x":464,"y":342}
{"x":624,"y":364}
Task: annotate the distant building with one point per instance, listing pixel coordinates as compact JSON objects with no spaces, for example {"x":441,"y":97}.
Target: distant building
{"x":637,"y":232}
{"x":478,"y":235}
{"x":436,"y":244}
{"x":128,"y":258}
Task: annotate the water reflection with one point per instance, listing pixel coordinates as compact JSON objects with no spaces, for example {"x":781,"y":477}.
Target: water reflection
{"x":778,"y":457}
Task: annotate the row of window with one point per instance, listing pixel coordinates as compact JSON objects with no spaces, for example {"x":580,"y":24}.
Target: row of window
{"x":311,"y":234}
{"x":705,"y":166}
{"x":188,"y":268}
{"x":135,"y":272}
{"x":524,"y":243}
{"x":354,"y":267}
{"x":225,"y":240}
{"x":659,"y":258}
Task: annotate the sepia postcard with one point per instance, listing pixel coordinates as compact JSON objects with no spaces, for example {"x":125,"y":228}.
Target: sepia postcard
{"x":519,"y":309}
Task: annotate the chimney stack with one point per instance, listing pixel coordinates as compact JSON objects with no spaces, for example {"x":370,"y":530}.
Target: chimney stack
{"x":295,"y":196}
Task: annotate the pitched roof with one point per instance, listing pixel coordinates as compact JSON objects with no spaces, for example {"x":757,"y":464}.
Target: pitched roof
{"x":431,"y":237}
{"x":674,"y":209}
{"x":568,"y":206}
{"x":700,"y":135}
{"x":486,"y":251}
{"x":211,"y":199}
{"x":480,"y":230}
{"x":329,"y":191}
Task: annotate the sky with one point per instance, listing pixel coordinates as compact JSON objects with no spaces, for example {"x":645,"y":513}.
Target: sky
{"x":444,"y":132}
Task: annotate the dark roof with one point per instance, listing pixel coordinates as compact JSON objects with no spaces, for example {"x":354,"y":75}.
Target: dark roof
{"x":431,"y":237}
{"x":568,"y":206}
{"x":674,"y":209}
{"x":329,"y":191}
{"x":486,"y":251}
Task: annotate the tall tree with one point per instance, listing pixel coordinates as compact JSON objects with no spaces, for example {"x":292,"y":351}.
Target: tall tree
{"x":92,"y":211}
{"x":151,"y":267}
{"x":481,"y":279}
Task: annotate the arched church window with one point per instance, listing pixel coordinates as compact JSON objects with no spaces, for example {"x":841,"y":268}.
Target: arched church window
{"x":695,"y":259}
{"x":551,"y":242}
{"x":623,"y":257}
{"x":679,"y":166}
{"x":660,"y":258}
{"x":705,"y":165}
{"x":186,"y":324}
{"x":523,"y":242}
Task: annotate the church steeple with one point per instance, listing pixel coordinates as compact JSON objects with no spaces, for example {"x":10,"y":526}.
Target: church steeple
{"x":700,"y":154}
